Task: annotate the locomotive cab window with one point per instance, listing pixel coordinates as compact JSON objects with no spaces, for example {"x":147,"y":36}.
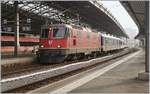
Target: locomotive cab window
{"x":59,"y":32}
{"x":44,"y":33}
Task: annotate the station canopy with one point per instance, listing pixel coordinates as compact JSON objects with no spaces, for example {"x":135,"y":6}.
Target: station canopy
{"x":37,"y":13}
{"x":136,"y":9}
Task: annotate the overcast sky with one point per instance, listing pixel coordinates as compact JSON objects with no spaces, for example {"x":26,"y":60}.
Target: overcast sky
{"x":122,"y":16}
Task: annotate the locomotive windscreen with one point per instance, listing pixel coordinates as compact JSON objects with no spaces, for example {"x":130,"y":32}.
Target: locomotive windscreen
{"x":44,"y":33}
{"x":59,"y":32}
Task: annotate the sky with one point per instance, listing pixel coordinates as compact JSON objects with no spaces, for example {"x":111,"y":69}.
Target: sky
{"x":119,"y":12}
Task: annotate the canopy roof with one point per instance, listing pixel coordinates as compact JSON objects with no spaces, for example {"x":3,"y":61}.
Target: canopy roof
{"x":89,"y":13}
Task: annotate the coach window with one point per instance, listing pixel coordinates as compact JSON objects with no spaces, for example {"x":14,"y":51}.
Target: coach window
{"x":110,"y":41}
{"x":106,"y":40}
{"x":113,"y":42}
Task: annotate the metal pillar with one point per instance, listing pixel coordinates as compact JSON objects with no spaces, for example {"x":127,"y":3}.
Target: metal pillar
{"x":147,"y":36}
{"x":78,"y":18}
{"x":16,"y":30}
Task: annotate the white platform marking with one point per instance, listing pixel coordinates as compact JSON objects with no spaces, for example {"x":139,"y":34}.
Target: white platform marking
{"x":79,"y":82}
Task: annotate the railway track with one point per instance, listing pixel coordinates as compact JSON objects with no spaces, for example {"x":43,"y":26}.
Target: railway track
{"x":22,"y":69}
{"x":9,"y":84}
{"x":17,"y":69}
{"x":20,"y":72}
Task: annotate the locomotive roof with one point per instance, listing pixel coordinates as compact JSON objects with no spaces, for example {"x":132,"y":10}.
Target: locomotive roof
{"x":58,"y":25}
{"x":74,"y":26}
{"x":70,"y":26}
{"x":86,"y":29}
{"x":112,"y":37}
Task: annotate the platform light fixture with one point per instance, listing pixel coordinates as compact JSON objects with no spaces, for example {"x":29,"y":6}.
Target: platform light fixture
{"x":5,"y":21}
{"x":28,"y":20}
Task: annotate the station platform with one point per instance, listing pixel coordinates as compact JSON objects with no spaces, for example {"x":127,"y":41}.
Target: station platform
{"x":120,"y":79}
{"x":19,"y":59}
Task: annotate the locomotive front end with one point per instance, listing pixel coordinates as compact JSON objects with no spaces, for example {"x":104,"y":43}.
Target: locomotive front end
{"x":53,"y":44}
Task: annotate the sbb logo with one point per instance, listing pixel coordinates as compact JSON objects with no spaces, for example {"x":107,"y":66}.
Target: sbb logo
{"x":50,"y":42}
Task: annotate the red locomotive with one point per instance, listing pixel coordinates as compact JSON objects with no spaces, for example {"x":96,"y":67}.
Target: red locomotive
{"x":61,"y":41}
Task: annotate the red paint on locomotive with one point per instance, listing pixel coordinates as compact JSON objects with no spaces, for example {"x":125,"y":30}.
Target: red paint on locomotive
{"x":65,"y":40}
{"x":53,"y":41}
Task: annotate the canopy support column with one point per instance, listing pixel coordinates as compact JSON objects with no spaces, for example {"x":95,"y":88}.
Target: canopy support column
{"x":145,"y":75}
{"x":16,"y":30}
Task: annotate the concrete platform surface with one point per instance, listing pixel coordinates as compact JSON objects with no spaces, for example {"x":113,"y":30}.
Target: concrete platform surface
{"x":121,"y":79}
{"x":17,"y":60}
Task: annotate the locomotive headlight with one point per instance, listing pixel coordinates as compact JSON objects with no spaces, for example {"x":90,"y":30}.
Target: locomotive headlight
{"x":58,"y":46}
{"x":42,"y":46}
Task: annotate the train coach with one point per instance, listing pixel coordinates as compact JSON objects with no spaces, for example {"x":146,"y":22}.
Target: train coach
{"x":61,"y":42}
{"x":110,"y":43}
